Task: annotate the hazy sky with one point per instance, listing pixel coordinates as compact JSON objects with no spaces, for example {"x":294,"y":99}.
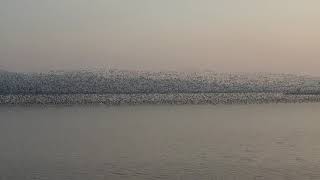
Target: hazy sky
{"x":221,"y":35}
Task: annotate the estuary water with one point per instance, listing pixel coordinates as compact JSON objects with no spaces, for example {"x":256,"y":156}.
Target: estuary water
{"x":223,"y":142}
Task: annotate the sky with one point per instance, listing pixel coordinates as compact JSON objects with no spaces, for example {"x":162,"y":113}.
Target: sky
{"x":278,"y":36}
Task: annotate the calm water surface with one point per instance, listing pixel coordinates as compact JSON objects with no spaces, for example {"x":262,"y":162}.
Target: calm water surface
{"x":226,"y":142}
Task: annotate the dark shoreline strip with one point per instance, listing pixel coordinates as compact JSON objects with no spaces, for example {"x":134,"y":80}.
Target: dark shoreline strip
{"x":180,"y":98}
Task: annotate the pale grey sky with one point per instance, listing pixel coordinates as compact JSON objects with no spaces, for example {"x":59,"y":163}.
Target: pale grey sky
{"x":221,"y":35}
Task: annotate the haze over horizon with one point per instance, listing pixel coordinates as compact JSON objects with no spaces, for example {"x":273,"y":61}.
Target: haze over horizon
{"x":278,"y":36}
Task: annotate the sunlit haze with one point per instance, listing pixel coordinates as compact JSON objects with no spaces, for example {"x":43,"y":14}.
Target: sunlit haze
{"x":279,"y":36}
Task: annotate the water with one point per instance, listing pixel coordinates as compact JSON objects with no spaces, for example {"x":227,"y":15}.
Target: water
{"x":224,"y":142}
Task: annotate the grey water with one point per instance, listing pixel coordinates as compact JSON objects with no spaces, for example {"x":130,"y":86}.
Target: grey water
{"x":223,"y":142}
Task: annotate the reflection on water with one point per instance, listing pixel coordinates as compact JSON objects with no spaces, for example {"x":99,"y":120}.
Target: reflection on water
{"x":226,"y":142}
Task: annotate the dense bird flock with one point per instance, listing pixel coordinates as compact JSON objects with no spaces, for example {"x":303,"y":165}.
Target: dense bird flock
{"x":143,"y":87}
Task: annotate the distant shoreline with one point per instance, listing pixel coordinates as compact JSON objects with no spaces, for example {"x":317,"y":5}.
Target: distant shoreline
{"x":117,"y":87}
{"x":173,"y":98}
